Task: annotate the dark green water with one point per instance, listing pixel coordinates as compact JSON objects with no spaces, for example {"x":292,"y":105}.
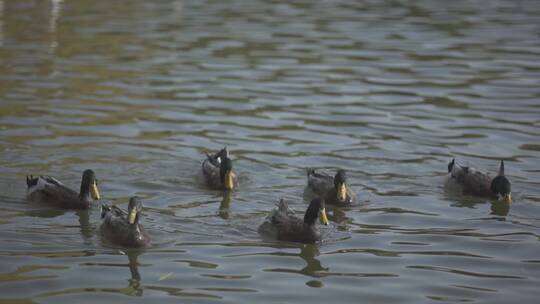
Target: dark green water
{"x":389,"y":90}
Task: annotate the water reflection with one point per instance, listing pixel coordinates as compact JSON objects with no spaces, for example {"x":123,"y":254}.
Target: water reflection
{"x":308,"y":252}
{"x":1,"y":22}
{"x":56,"y":10}
{"x":338,"y":215}
{"x":500,"y":208}
{"x":137,"y":90}
{"x":224,"y":207}
{"x":86,"y":229}
{"x":24,"y":273}
{"x":134,"y":287}
{"x":464,"y":201}
{"x":56,"y":7}
{"x":46,"y":213}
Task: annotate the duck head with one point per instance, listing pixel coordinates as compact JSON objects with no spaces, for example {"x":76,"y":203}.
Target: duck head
{"x":134,"y":210}
{"x":89,"y":185}
{"x":316,"y":209}
{"x":226,"y":174}
{"x":340,"y":180}
{"x":501,"y":186}
{"x":223,"y":153}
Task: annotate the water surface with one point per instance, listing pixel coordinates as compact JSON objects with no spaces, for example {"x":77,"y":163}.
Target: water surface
{"x":388,"y":90}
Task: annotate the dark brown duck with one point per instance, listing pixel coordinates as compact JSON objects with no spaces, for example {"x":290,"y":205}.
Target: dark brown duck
{"x":124,"y":229}
{"x":334,"y":190}
{"x":218,"y":171}
{"x":47,"y":189}
{"x":474,"y":182}
{"x":283,"y":225}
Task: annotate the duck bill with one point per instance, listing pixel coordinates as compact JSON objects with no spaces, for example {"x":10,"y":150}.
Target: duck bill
{"x":94,"y":191}
{"x":342,"y":192}
{"x":507,"y":198}
{"x":322,"y":216}
{"x":229,"y":183}
{"x":132,"y":216}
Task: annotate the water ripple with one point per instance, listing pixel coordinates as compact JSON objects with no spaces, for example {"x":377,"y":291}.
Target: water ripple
{"x":389,"y":90}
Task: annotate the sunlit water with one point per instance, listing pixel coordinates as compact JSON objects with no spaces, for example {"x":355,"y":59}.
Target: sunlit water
{"x":390,"y":91}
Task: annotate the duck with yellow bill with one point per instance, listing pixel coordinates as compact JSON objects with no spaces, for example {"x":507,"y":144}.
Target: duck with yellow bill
{"x":123,"y":228}
{"x":218,"y":171}
{"x":47,"y":189}
{"x":283,"y":225}
{"x":335,"y":190}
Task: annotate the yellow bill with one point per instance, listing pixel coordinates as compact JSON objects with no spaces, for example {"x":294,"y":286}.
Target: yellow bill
{"x":229,"y":181}
{"x":94,"y":191}
{"x":322,"y":216}
{"x":507,"y":198}
{"x":342,"y":192}
{"x":132,"y":216}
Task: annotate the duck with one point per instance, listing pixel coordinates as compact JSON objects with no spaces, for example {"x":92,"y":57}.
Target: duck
{"x":334,"y":190}
{"x":218,"y":171}
{"x":124,"y":229}
{"x":283,"y":225}
{"x":47,"y":189}
{"x":476,"y":183}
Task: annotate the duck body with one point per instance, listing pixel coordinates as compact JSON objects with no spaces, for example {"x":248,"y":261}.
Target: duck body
{"x":218,"y":172}
{"x":476,"y":183}
{"x":123,"y":228}
{"x":283,"y":225}
{"x":47,"y":189}
{"x":334,"y":190}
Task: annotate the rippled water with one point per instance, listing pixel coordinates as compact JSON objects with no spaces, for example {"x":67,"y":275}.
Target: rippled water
{"x":389,"y":90}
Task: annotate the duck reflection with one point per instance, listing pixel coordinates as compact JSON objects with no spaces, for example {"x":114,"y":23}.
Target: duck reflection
{"x":85,"y":228}
{"x":497,"y":207}
{"x":134,"y":288}
{"x":224,"y":207}
{"x":500,"y":208}
{"x":84,"y":224}
{"x":338,"y":216}
{"x":309,"y":252}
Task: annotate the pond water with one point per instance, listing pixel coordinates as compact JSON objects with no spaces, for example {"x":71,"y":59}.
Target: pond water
{"x":388,"y":90}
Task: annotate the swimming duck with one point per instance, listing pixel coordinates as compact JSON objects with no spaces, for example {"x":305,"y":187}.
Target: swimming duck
{"x":124,"y":229}
{"x":334,"y":190}
{"x":481,"y":184}
{"x":218,"y":172}
{"x":47,"y":189}
{"x":283,"y":225}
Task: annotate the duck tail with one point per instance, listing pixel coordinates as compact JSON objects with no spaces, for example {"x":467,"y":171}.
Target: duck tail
{"x":451,"y":165}
{"x":455,"y":169}
{"x":501,"y":168}
{"x":218,"y":156}
{"x":283,"y":207}
{"x":31,"y":181}
{"x":224,"y":152}
{"x":104,"y":209}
